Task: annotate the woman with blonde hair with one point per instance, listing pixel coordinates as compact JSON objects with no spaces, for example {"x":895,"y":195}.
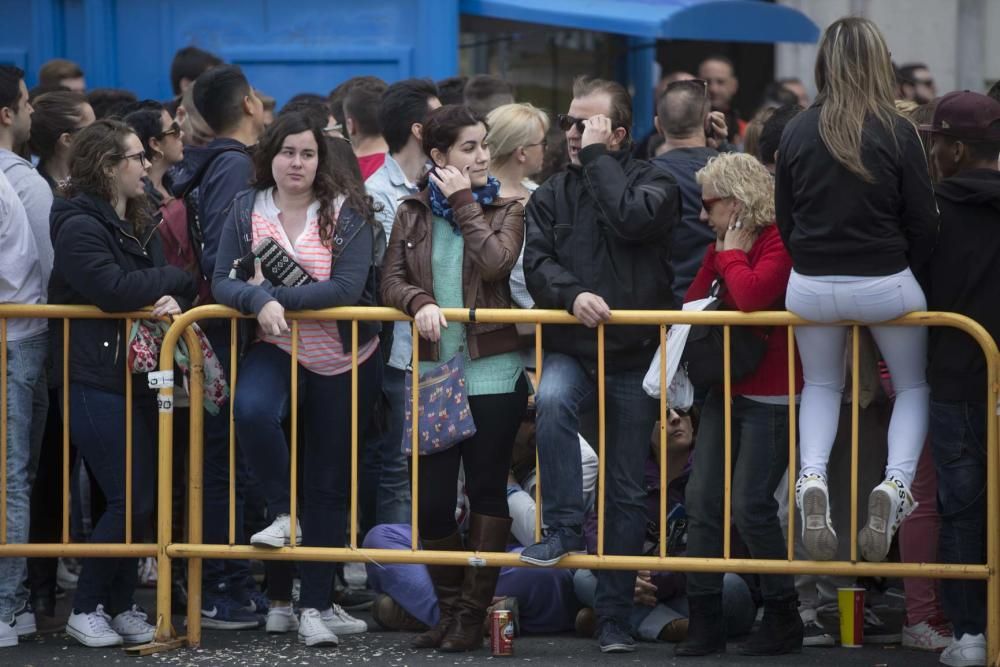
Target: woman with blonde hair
{"x":516,"y":137}
{"x":855,"y":208}
{"x":747,"y":267}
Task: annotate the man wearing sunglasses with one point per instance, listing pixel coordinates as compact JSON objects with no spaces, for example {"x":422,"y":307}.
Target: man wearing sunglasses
{"x":598,"y":237}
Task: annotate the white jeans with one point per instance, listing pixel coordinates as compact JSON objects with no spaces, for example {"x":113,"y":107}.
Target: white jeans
{"x":823,"y":353}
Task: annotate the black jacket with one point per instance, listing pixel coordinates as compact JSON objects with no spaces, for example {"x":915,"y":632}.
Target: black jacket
{"x":352,"y":281}
{"x":98,"y":262}
{"x":964,"y":276}
{"x":833,"y":222}
{"x":603,"y":227}
{"x":209,"y":180}
{"x":691,"y":236}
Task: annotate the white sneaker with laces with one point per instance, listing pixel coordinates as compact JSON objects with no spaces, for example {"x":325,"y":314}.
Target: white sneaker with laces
{"x":813,"y":499}
{"x":966,"y":651}
{"x":931,"y":635}
{"x":24,"y":621}
{"x":93,"y":629}
{"x":281,"y":620}
{"x":888,"y":504}
{"x":313,"y":631}
{"x":342,"y":623}
{"x":132,"y":626}
{"x":8,"y":635}
{"x":278,"y":534}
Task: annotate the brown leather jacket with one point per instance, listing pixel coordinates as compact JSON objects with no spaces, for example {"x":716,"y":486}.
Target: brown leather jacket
{"x":493,"y":236}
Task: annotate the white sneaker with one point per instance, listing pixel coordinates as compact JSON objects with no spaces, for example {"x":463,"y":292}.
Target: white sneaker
{"x":66,"y":576}
{"x":930,"y":635}
{"x":92,"y":629}
{"x":968,"y":651}
{"x":888,"y":504}
{"x":8,"y":635}
{"x":281,"y":620}
{"x":813,"y":499}
{"x":132,"y":626}
{"x":342,"y":623}
{"x":24,"y":621}
{"x":313,"y":631}
{"x":278,"y":534}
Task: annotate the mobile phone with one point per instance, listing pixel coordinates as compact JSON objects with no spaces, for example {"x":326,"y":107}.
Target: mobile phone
{"x":709,"y":129}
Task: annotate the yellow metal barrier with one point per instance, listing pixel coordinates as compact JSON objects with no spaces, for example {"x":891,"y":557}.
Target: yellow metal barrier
{"x":988,"y":571}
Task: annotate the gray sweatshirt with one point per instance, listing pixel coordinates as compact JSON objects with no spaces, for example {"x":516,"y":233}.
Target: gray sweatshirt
{"x":20,"y":269}
{"x":36,"y":196}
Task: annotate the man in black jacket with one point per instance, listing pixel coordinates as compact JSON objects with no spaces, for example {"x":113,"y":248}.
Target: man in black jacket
{"x":964,"y":274}
{"x":598,"y":235}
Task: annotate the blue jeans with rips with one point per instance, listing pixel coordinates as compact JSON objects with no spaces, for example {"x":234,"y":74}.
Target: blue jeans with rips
{"x":566,"y":390}
{"x":27,"y":403}
{"x":958,"y":444}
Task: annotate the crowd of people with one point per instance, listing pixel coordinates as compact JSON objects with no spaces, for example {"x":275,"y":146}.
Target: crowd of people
{"x":874,"y":200}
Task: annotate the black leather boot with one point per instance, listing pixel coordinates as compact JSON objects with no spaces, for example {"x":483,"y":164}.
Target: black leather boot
{"x":706,"y":633}
{"x":780,"y":630}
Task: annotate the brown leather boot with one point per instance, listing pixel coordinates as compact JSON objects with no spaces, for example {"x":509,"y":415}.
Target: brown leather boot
{"x":447,"y":582}
{"x":486,"y":533}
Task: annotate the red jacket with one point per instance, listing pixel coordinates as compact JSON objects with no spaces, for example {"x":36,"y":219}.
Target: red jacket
{"x":754,"y":280}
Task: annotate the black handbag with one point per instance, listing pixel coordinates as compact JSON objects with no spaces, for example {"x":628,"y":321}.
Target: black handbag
{"x":703,"y":352}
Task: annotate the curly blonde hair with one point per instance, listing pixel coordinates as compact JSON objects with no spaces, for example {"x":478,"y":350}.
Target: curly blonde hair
{"x":743,"y":178}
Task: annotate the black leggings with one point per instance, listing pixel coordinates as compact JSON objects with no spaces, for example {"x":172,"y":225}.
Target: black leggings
{"x":486,"y":458}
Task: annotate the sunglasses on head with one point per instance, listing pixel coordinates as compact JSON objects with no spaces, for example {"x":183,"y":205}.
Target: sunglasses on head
{"x":566,"y":122}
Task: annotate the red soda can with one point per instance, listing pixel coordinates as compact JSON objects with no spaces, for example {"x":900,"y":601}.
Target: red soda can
{"x":502,"y":632}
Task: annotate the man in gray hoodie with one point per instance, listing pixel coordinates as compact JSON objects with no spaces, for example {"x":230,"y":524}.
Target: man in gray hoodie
{"x":22,"y":282}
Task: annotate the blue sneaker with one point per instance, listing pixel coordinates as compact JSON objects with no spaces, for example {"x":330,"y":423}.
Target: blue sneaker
{"x":222,"y":612}
{"x":554,"y":547}
{"x":614,"y":638}
{"x":256,"y":602}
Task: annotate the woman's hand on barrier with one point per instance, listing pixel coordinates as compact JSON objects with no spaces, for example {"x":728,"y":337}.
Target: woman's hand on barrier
{"x":450,"y":180}
{"x":429,"y":321}
{"x":645,"y":590}
{"x":166,"y":305}
{"x":272,"y":319}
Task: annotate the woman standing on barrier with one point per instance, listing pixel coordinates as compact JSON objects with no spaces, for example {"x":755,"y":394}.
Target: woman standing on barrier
{"x":750,"y":265}
{"x":317,"y":218}
{"x":857,"y":213}
{"x":107,"y":254}
{"x":453,"y":246}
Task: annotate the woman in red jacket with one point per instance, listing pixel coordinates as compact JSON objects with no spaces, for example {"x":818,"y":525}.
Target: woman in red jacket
{"x":749,"y":259}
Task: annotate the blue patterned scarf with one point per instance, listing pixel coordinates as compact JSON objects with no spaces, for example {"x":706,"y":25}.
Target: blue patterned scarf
{"x":441,"y":208}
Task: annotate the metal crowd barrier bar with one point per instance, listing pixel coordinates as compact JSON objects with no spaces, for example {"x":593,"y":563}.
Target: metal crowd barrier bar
{"x":195,"y":550}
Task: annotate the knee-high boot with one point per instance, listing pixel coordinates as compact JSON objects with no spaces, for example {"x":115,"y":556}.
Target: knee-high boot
{"x":447,"y":580}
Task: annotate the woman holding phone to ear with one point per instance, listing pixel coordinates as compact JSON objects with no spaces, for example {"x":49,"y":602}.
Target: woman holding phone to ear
{"x":453,"y":245}
{"x":751,"y":265}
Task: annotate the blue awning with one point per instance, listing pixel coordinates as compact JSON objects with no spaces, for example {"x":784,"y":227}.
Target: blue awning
{"x":710,"y":20}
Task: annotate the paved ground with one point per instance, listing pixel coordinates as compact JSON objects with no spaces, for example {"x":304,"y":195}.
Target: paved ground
{"x":392,"y":649}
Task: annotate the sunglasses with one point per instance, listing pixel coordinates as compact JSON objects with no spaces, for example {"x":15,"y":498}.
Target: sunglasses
{"x":707,"y":204}
{"x":175,"y":128}
{"x":566,"y":122}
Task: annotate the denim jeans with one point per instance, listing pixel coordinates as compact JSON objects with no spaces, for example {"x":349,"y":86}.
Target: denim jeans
{"x":566,"y":390}
{"x":738,"y":608}
{"x":97,"y":426}
{"x":25,"y":383}
{"x":233,"y":573}
{"x":262,"y":402}
{"x":385,"y":470}
{"x":759,"y":460}
{"x":958,"y":444}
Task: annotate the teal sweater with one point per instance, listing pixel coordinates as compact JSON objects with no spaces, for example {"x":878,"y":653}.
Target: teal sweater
{"x":497,"y":374}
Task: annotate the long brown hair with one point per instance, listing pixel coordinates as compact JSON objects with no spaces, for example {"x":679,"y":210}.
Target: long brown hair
{"x":332,"y":180}
{"x":856,"y":82}
{"x":95,"y":151}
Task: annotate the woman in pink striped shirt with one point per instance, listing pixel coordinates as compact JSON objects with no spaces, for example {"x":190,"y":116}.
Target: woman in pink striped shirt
{"x":324,"y":222}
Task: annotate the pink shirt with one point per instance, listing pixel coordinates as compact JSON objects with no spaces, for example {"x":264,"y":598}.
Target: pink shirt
{"x":320,"y":348}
